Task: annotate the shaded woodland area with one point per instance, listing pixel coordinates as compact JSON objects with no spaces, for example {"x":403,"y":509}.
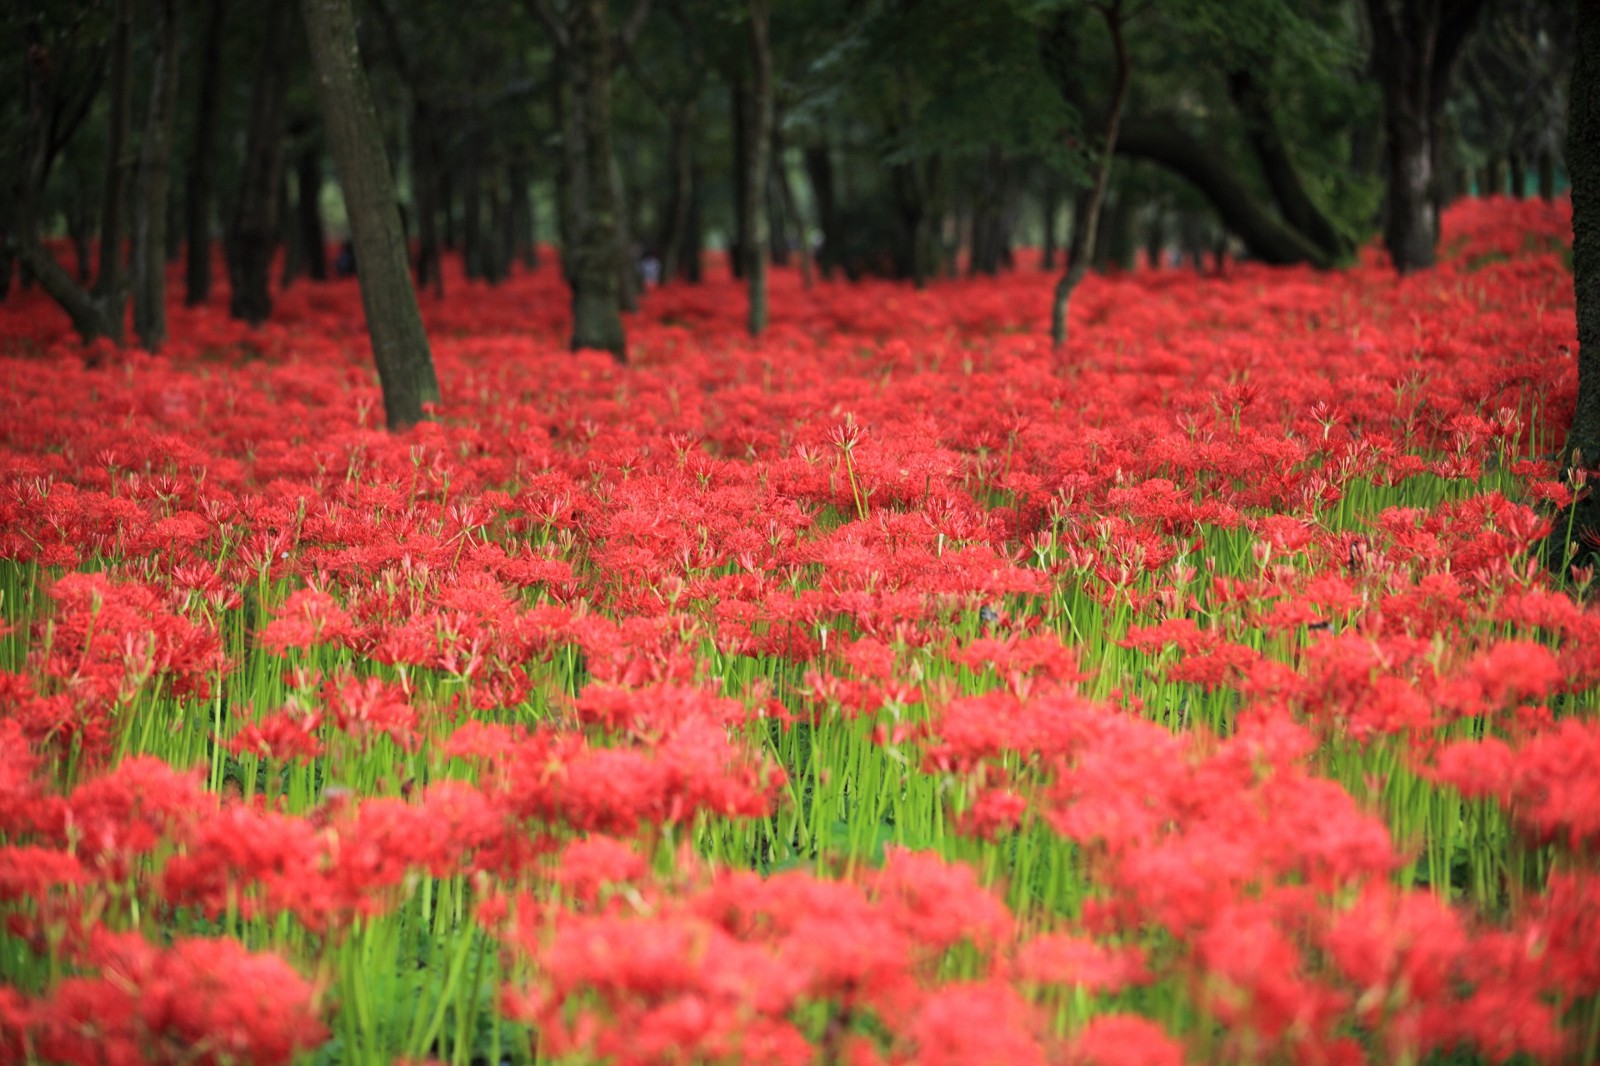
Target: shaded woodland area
{"x":910,"y":138}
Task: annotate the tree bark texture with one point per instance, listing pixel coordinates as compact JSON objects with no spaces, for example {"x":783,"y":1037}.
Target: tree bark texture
{"x":155,"y":178}
{"x":595,"y":270}
{"x":350,"y":120}
{"x":110,"y":288}
{"x":202,"y":177}
{"x":1414,"y":47}
{"x":253,"y":230}
{"x":1583,"y":165}
{"x":758,"y":152}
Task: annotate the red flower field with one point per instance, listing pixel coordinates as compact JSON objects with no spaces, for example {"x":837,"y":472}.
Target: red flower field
{"x":892,"y":690}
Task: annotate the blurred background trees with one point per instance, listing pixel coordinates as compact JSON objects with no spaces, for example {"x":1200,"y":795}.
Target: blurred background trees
{"x":909,"y":138}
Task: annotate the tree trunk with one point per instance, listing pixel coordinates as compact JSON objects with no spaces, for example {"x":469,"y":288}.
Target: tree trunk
{"x":758,"y":150}
{"x":110,"y":288}
{"x":692,"y":258}
{"x":680,"y":194}
{"x":202,"y":177}
{"x":471,"y":210}
{"x":1050,"y":209}
{"x":791,"y":205}
{"x":308,"y":208}
{"x":425,"y":173}
{"x":1414,"y":47}
{"x":1583,"y":168}
{"x":987,"y":208}
{"x":1547,"y":174}
{"x":524,"y":229}
{"x":1282,"y":177}
{"x":1581,"y":452}
{"x":818,"y":163}
{"x":350,"y":120}
{"x":627,"y":261}
{"x":596,"y":273}
{"x":155,"y":162}
{"x":1155,"y":237}
{"x":1519,"y":176}
{"x":1084,"y":229}
{"x":739,"y":109}
{"x":253,"y":231}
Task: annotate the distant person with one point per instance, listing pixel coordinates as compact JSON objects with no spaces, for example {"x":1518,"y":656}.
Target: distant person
{"x":345,"y":265}
{"x":650,"y":269}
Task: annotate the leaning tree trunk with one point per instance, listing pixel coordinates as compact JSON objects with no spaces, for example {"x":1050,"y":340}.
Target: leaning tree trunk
{"x":595,"y":271}
{"x":758,"y":147}
{"x":253,"y":232}
{"x":1282,"y":177}
{"x":203,"y":161}
{"x":1086,"y":227}
{"x":350,"y":120}
{"x":155,"y":161}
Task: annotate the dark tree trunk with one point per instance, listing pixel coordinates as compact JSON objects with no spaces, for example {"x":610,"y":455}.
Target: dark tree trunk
{"x":308,"y":208}
{"x":1266,"y":238}
{"x":110,"y":288}
{"x":791,"y":205}
{"x":155,"y":175}
{"x":758,"y":148}
{"x":680,"y":191}
{"x":572,"y":179}
{"x":915,"y":186}
{"x":818,"y":162}
{"x":987,"y":216}
{"x":425,"y":177}
{"x":1414,"y":47}
{"x":1282,"y":177}
{"x":350,"y":121}
{"x":627,"y":262}
{"x":472,"y":210}
{"x":1547,"y":174}
{"x":1086,"y":226}
{"x":595,"y":270}
{"x":497,"y":238}
{"x":253,"y":231}
{"x":98,"y":313}
{"x":1519,"y":176}
{"x":1155,"y":237}
{"x":692,"y":260}
{"x":1582,"y":448}
{"x":80,"y":231}
{"x":1583,"y":168}
{"x":1050,"y":208}
{"x":524,"y":229}
{"x":739,"y":110}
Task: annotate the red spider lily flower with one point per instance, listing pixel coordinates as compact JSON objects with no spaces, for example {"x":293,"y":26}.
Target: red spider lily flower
{"x":1123,"y":1040}
{"x":977,"y":1024}
{"x":1065,"y":959}
{"x":1550,"y":784}
{"x":289,"y":735}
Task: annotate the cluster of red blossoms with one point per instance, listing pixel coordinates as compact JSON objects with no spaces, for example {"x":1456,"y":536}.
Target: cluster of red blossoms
{"x":891,"y":690}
